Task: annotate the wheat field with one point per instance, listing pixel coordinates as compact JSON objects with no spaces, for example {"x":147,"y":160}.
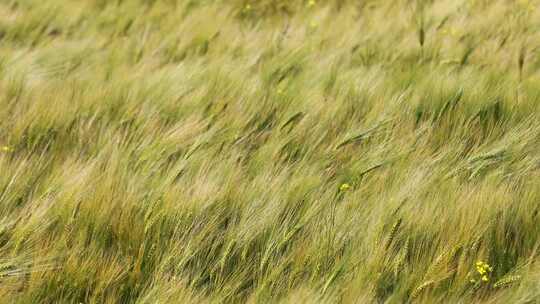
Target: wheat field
{"x":184,"y":151}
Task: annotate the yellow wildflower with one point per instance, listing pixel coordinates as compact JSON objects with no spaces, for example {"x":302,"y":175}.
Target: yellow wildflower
{"x":344,"y":187}
{"x":483,"y":270}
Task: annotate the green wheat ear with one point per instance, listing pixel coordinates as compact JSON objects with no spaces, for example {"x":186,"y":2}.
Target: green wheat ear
{"x":416,"y":292}
{"x":401,"y":258}
{"x":507,"y":281}
{"x":393,"y":232}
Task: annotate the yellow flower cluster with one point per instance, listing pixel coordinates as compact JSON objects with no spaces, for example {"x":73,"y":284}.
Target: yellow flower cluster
{"x":344,"y":187}
{"x":483,"y":270}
